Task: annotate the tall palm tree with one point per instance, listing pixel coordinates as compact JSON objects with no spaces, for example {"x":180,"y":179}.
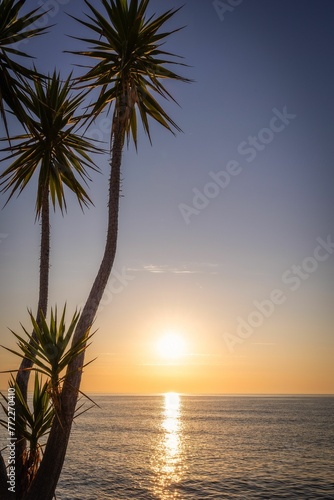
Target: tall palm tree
{"x":14,"y":29}
{"x":131,"y":65}
{"x":53,"y":149}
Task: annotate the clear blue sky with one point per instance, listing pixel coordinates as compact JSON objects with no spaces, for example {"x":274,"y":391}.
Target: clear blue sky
{"x":197,"y":264}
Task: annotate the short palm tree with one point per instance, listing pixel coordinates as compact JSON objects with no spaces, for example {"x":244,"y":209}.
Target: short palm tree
{"x":52,"y":148}
{"x":14,"y":29}
{"x":129,"y":73}
{"x":51,"y":354}
{"x":49,"y":349}
{"x":34,"y":425}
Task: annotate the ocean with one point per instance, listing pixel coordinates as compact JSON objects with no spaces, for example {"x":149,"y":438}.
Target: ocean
{"x":201,"y":447}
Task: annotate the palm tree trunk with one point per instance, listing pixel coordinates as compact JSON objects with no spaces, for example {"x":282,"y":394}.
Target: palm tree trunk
{"x":44,"y":485}
{"x":26,"y":364}
{"x":23,"y":374}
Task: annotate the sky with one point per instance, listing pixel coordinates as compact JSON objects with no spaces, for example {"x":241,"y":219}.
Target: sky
{"x":224,"y":277}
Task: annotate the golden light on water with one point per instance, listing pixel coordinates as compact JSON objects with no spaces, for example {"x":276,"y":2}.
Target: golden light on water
{"x":172,"y":403}
{"x":171,"y":426}
{"x":168,"y":458}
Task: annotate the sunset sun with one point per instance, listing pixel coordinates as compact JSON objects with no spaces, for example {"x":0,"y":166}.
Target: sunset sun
{"x":171,"y":346}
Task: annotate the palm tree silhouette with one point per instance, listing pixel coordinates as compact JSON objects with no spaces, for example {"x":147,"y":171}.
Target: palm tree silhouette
{"x":129,"y":73}
{"x":54,"y":150}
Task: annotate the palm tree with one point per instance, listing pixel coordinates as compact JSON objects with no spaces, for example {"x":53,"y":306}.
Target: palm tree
{"x":34,"y":424}
{"x":56,"y":151}
{"x":131,"y":65}
{"x":50,"y":353}
{"x":15,"y":29}
{"x":53,"y":148}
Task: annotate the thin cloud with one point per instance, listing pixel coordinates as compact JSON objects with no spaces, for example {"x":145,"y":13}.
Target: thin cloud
{"x":264,"y":343}
{"x":189,"y":268}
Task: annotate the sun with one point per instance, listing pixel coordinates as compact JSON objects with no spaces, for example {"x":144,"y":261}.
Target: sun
{"x":171,"y":346}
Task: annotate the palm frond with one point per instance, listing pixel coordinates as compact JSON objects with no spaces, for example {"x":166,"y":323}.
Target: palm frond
{"x":15,"y":29}
{"x":51,"y":351}
{"x":131,"y":63}
{"x":53,"y":146}
{"x":34,"y":423}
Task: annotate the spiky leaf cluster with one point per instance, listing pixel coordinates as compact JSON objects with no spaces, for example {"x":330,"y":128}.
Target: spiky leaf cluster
{"x":50,"y":351}
{"x":131,"y":62}
{"x":53,"y":145}
{"x":14,"y":29}
{"x":36,"y":422}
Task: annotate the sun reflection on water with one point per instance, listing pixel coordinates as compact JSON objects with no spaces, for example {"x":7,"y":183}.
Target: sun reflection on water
{"x":168,"y":463}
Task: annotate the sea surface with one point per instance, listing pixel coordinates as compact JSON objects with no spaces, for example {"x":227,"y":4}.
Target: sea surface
{"x":198,"y":447}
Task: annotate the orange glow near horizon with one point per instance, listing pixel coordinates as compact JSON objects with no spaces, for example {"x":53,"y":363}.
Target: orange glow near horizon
{"x":185,"y":359}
